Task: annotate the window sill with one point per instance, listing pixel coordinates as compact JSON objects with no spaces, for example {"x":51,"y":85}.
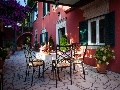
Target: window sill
{"x":94,"y":44}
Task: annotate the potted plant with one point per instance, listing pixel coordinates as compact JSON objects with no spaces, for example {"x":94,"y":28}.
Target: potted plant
{"x":63,"y":42}
{"x":103,"y":57}
{"x":51,"y":43}
{"x":36,"y":46}
{"x":9,"y":45}
{"x":18,"y":46}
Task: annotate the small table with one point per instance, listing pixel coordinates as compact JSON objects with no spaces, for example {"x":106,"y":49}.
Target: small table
{"x":47,"y":59}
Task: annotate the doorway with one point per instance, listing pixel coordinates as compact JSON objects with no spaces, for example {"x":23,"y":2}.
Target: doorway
{"x":61,"y":32}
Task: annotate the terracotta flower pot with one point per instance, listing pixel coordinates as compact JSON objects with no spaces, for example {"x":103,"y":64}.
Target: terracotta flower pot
{"x":8,"y":56}
{"x":18,"y":48}
{"x":101,"y":67}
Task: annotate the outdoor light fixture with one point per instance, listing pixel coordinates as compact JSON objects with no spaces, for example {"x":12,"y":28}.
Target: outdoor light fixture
{"x":56,"y":2}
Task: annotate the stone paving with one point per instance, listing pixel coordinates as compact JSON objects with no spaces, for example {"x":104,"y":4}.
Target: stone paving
{"x":14,"y":78}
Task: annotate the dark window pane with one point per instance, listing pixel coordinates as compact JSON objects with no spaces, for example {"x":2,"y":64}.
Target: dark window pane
{"x":93,"y":32}
{"x":101,"y":30}
{"x":83,"y":33}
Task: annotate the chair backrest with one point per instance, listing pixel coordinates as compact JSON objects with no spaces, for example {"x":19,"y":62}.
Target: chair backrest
{"x":64,"y":54}
{"x":76,"y":48}
{"x":80,"y":50}
{"x":63,"y":51}
{"x":84,"y":51}
{"x":27,"y":53}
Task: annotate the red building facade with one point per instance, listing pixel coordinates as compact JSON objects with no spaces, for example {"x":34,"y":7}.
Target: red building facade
{"x":57,"y":22}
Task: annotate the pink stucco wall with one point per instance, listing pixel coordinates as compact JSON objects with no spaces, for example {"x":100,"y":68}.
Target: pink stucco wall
{"x":73,"y":19}
{"x":48,"y":22}
{"x":114,"y":5}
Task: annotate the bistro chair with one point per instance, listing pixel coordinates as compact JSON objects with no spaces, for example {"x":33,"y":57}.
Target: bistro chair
{"x":63,"y":61}
{"x":79,"y":56}
{"x":32,"y":61}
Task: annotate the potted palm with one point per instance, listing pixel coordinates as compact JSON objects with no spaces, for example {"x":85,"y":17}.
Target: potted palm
{"x":103,"y":57}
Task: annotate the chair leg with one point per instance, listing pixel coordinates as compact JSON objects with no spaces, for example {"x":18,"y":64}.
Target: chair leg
{"x":53,"y":69}
{"x":39,"y":72}
{"x":71,"y":75}
{"x":56,"y":76}
{"x":26,"y":75}
{"x":83,"y":71}
{"x":32,"y":76}
{"x":53,"y":73}
{"x":43,"y":70}
{"x":73,"y":67}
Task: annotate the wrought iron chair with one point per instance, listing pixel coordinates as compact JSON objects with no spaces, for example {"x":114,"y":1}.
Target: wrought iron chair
{"x":63,"y":60}
{"x":32,"y":61}
{"x":79,"y":56}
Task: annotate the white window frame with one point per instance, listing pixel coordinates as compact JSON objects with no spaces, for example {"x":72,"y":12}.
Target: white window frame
{"x":46,"y":8}
{"x":97,"y":31}
{"x":43,"y":34}
{"x":36,"y":33}
{"x":60,"y":24}
{"x":35,"y":13}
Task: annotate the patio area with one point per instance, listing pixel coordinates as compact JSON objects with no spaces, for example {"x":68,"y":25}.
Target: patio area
{"x":14,"y":78}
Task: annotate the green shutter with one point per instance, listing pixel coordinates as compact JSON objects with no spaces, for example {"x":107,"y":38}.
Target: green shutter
{"x":46,"y":37}
{"x":41,"y":39}
{"x":83,"y":32}
{"x":48,"y":7}
{"x":110,"y":29}
{"x":43,"y":9}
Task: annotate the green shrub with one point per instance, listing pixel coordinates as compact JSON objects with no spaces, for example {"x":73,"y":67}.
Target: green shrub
{"x":63,"y":42}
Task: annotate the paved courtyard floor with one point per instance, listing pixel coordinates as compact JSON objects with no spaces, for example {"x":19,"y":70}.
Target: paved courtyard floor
{"x":14,"y":78}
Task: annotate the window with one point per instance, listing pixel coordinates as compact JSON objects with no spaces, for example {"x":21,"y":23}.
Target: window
{"x":44,"y":37}
{"x":96,"y":29}
{"x":46,"y":8}
{"x":34,"y":13}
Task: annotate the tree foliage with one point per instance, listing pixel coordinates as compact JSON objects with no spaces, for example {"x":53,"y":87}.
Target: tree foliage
{"x":31,"y":3}
{"x":13,"y":13}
